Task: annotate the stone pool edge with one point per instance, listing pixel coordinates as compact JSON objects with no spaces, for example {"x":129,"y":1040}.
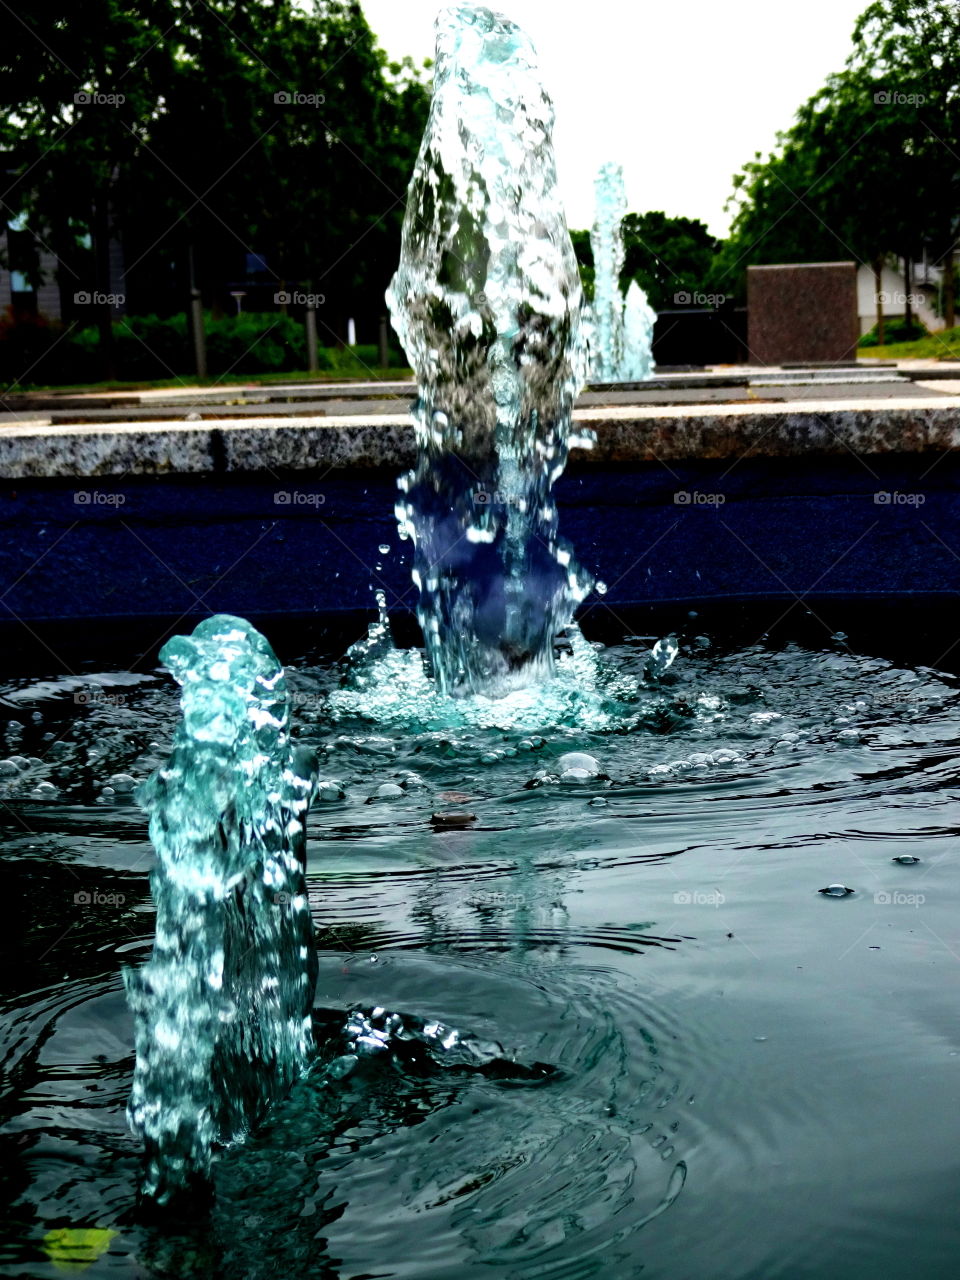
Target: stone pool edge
{"x":625,"y":433}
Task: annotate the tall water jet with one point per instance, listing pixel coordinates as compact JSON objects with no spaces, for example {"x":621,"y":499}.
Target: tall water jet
{"x":222,"y":1008}
{"x":621,"y":330}
{"x":487,"y":304}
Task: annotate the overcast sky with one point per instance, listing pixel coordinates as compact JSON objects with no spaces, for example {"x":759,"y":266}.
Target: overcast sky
{"x":681,"y":93}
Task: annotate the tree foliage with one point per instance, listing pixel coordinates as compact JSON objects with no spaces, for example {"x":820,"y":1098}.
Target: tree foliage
{"x":210,"y":130}
{"x":871,"y":165}
{"x":666,"y":256}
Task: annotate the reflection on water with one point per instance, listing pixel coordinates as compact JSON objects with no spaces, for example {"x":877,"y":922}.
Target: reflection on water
{"x":703,"y":1060}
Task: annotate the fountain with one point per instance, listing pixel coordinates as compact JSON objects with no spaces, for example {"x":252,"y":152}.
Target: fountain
{"x":222,"y":1008}
{"x":535,"y":865}
{"x":621,"y":329}
{"x":487,"y":304}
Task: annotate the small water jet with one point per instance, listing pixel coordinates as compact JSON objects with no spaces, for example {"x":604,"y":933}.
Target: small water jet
{"x":621,"y":329}
{"x":222,"y":1008}
{"x":486,"y":301}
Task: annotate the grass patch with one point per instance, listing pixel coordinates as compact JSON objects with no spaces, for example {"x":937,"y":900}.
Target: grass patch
{"x":353,"y":374}
{"x":943,"y":346}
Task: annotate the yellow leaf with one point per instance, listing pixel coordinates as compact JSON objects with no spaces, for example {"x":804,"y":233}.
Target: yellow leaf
{"x":75,"y":1248}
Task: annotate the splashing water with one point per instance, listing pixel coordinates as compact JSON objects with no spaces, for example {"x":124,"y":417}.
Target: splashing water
{"x":486,"y":301}
{"x":621,"y":330}
{"x":607,"y":246}
{"x":222,"y":1008}
{"x":638,"y":321}
{"x":662,"y":656}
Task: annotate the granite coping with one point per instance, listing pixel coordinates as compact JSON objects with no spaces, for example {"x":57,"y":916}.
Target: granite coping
{"x":625,"y":433}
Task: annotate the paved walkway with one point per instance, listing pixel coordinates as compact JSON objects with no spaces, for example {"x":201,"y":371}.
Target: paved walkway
{"x":915,"y":379}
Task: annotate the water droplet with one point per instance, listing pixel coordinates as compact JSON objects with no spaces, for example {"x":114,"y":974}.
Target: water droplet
{"x":577,"y":776}
{"x":388,"y":791}
{"x":342,"y":1066}
{"x":579,"y":761}
{"x":661,"y":656}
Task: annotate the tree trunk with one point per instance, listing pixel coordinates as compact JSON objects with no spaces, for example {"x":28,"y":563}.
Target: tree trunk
{"x":101,"y":252}
{"x":908,"y":285}
{"x":949,"y":289}
{"x":878,"y":294}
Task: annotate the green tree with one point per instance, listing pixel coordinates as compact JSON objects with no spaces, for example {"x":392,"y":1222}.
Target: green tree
{"x":664,"y":255}
{"x":71,"y":114}
{"x":213,"y":129}
{"x":912,"y":49}
{"x":871,"y":165}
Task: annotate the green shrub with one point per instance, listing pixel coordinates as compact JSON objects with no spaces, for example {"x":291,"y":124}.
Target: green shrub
{"x":35,"y":351}
{"x":895,"y":329}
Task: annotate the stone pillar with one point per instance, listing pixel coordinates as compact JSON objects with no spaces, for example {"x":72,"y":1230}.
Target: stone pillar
{"x":802,"y":313}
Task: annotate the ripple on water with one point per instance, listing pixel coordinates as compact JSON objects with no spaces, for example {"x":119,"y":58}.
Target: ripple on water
{"x":496,"y":1172}
{"x":548,"y":926}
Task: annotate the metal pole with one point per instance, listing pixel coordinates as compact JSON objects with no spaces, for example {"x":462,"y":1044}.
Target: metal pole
{"x":384,"y":344}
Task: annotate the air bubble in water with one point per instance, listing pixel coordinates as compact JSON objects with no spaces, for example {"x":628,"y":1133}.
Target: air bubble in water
{"x":579,"y":760}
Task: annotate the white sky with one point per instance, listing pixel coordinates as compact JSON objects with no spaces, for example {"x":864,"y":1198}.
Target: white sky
{"x":681,"y":93}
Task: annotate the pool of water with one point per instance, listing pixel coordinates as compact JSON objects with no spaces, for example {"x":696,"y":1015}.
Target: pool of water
{"x":706,"y":1068}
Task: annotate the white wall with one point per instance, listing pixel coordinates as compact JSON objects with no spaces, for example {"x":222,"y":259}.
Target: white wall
{"x":894,"y":303}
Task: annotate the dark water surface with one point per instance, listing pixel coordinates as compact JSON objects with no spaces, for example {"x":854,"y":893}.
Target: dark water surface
{"x":748,"y":1079}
